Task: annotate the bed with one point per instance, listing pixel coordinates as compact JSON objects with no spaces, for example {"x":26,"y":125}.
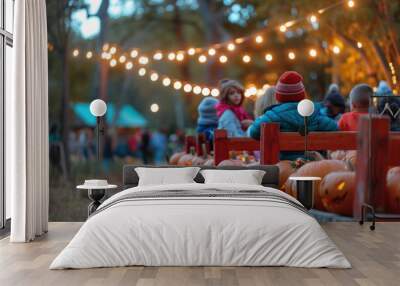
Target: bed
{"x":199,"y":224}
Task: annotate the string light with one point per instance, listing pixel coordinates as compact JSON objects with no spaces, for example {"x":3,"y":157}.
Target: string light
{"x":259,"y":39}
{"x":134,"y":53}
{"x":283,"y":28}
{"x":122,"y":59}
{"x":89,"y":55}
{"x":202,"y":59}
{"x":177,"y":85}
{"x":231,"y":47}
{"x":291,"y":55}
{"x":246,"y":59}
{"x":143,"y":60}
{"x":351,"y":3}
{"x":113,"y":50}
{"x":206,"y":91}
{"x":212,"y":52}
{"x":313,"y":53}
{"x":154,"y":107}
{"x":171,"y":56}
{"x":154,"y":76}
{"x":269,"y":57}
{"x":197,"y":89}
{"x":336,"y":50}
{"x":359,"y":45}
{"x":105,"y":47}
{"x":129,"y":65}
{"x":158,"y":56}
{"x":187,"y":87}
{"x":142,"y":71}
{"x":113,"y":62}
{"x":75,"y":52}
{"x":166,"y":81}
{"x":191,"y":51}
{"x":214,"y":92}
{"x":223,"y":59}
{"x":313,"y":19}
{"x":239,"y":41}
{"x":180,"y":57}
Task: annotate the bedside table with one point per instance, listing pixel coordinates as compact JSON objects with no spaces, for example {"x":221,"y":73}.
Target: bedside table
{"x":305,"y":190}
{"x":95,"y":194}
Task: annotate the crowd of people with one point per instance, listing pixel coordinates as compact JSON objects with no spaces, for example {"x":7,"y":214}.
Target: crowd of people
{"x":279,"y":104}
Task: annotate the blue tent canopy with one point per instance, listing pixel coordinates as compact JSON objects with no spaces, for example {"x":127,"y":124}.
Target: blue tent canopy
{"x":128,"y":116}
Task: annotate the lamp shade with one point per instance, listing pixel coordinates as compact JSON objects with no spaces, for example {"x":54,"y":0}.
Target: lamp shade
{"x":98,"y":107}
{"x":305,"y":107}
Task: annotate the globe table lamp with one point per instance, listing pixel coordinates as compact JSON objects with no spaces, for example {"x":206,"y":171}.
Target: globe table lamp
{"x":305,"y":108}
{"x":98,"y":108}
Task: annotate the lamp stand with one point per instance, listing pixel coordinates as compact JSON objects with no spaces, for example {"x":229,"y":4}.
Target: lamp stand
{"x":98,"y":138}
{"x":306,"y":137}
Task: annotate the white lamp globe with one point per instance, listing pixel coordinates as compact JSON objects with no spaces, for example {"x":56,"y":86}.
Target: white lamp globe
{"x":98,"y":107}
{"x":305,"y":107}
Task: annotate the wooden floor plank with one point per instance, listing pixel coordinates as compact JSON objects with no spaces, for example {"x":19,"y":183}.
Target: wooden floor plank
{"x":375,"y":257}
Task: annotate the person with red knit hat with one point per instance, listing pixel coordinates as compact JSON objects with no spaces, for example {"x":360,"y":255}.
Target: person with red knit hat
{"x":231,"y":115}
{"x":289,"y":92}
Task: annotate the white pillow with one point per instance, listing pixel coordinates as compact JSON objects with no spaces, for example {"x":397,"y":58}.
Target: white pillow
{"x":166,"y":176}
{"x":248,"y":177}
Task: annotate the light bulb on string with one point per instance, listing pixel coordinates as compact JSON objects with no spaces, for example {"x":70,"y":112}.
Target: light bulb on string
{"x":269,"y":57}
{"x":291,"y":55}
{"x":313,"y":19}
{"x":351,"y":3}
{"x":259,"y":39}
{"x":142,"y":71}
{"x":154,"y":76}
{"x":239,"y":41}
{"x":143,"y":60}
{"x":187,"y":87}
{"x":336,"y":50}
{"x":158,"y":56}
{"x":191,"y":51}
{"x":246,"y":59}
{"x":75,"y":52}
{"x":180,"y":57}
{"x":202,"y":59}
{"x":215,"y":92}
{"x":197,"y":89}
{"x":212,"y":52}
{"x":313,"y":53}
{"x":129,"y":65}
{"x":206,"y":91}
{"x":283,"y":28}
{"x":231,"y":47}
{"x":154,"y":107}
{"x":122,"y":59}
{"x":177,"y":85}
{"x":359,"y":45}
{"x":105,"y":47}
{"x":89,"y":55}
{"x":134,"y":53}
{"x":223,"y":59}
{"x":171,"y":56}
{"x":113,"y":50}
{"x":166,"y":81}
{"x":113,"y":63}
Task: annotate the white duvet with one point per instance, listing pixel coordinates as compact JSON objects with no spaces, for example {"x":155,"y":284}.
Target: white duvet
{"x":200,"y":231}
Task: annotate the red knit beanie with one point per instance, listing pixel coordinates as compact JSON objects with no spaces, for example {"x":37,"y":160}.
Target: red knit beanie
{"x":290,"y":87}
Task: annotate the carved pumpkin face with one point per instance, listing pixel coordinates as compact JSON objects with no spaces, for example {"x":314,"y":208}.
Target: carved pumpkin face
{"x":316,"y":169}
{"x":393,"y":188}
{"x":175,"y":158}
{"x":337,"y":192}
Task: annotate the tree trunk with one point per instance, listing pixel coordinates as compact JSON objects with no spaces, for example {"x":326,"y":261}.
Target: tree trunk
{"x":380,"y":55}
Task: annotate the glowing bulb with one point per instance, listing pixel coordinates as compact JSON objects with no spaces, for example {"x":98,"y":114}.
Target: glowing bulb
{"x":171,"y":56}
{"x":202,"y":59}
{"x":336,"y":50}
{"x":206,"y":91}
{"x":129,"y":65}
{"x":313,"y":19}
{"x":143,"y":60}
{"x":223,"y":59}
{"x":154,"y":107}
{"x":166,"y":81}
{"x":313,"y":53}
{"x":259,"y":39}
{"x":89,"y":55}
{"x":134,"y":54}
{"x":122,"y":59}
{"x":180,"y":57}
{"x":351,"y":3}
{"x":246,"y":59}
{"x":231,"y":47}
{"x":239,"y":40}
{"x":113,"y":62}
{"x":177,"y":85}
{"x":105,"y":47}
{"x":187,"y":87}
{"x":75,"y":53}
{"x":269,"y":57}
{"x":142,"y":71}
{"x":113,"y":50}
{"x":158,"y":56}
{"x":197,"y":89}
{"x":359,"y":45}
{"x":154,"y":76}
{"x":191,"y":51}
{"x":283,"y":28}
{"x":215,"y":92}
{"x":291,"y":56}
{"x":212,"y":52}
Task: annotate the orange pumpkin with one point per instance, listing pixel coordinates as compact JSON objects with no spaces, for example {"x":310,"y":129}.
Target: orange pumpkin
{"x":315,"y":169}
{"x":393,"y":188}
{"x":351,"y":158}
{"x":231,"y":162}
{"x":285,"y":170}
{"x":337,"y":191}
{"x":175,"y":158}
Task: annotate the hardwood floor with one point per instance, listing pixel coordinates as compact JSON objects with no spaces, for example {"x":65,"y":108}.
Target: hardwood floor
{"x":375,"y":257}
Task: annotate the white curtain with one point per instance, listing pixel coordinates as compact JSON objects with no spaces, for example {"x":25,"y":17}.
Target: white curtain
{"x":27,"y":124}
